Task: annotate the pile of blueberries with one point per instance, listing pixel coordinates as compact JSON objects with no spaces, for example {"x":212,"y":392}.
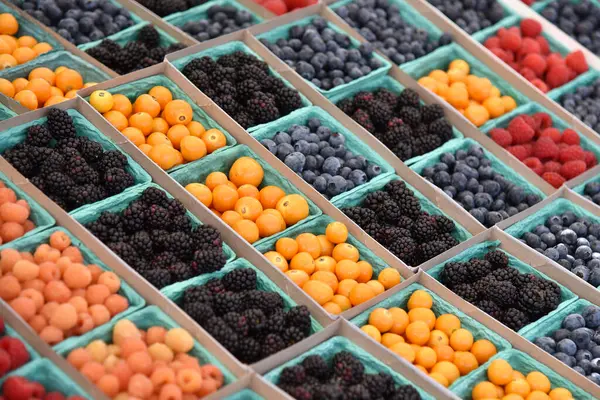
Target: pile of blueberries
{"x":220,"y":20}
{"x":381,"y":24}
{"x":571,"y":241}
{"x":578,"y":19}
{"x":577,"y":342}
{"x":323,"y":56}
{"x":471,"y":15}
{"x":319,"y":155}
{"x":80,"y":21}
{"x":584,"y":103}
{"x":591,"y":191}
{"x":468,"y":177}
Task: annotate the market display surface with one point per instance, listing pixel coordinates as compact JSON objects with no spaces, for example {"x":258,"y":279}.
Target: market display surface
{"x":296,"y":199}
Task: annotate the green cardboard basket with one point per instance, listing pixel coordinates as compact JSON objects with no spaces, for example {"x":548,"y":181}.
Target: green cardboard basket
{"x":550,"y":323}
{"x":336,"y":344}
{"x":480,"y":249}
{"x":84,"y":128}
{"x":134,"y":89}
{"x":197,"y":173}
{"x":400,"y":299}
{"x":282,"y":32}
{"x":353,"y":143}
{"x":135,"y":300}
{"x":6,"y":113}
{"x":585,"y":79}
{"x":231,"y":47}
{"x":245,"y":394}
{"x":130,"y":35}
{"x":33,"y":355}
{"x":580,"y":189}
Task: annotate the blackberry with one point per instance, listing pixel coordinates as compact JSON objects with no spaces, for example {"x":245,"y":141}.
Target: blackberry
{"x":524,"y":279}
{"x":425,"y":144}
{"x":454,"y":274}
{"x":363,"y":119}
{"x":362,"y":216}
{"x":62,"y":203}
{"x":553,"y":295}
{"x":263,"y":108}
{"x":199,"y":79}
{"x":222,"y":333}
{"x":502,"y":293}
{"x":199,"y":312}
{"x":58,"y":183}
{"x":18,"y":157}
{"x":253,"y":72}
{"x":467,"y":292}
{"x":180,"y":244}
{"x":515,"y":319}
{"x":379,"y":385}
{"x":272,"y":343}
{"x":215,"y":286}
{"x":158,"y":54}
{"x":60,"y":124}
{"x":181,"y":223}
{"x":175,"y":47}
{"x":116,"y":180}
{"x":288,"y":100}
{"x":490,"y":308}
{"x":406,"y":392}
{"x":126,"y":252}
{"x":532,"y":300}
{"x":226,"y":302}
{"x":375,"y":200}
{"x":440,"y":128}
{"x":424,"y":228}
{"x":249,"y":350}
{"x":497,"y":258}
{"x":363,"y":100}
{"x":478,"y":268}
{"x":198,"y":294}
{"x":388,"y":211}
{"x":227,"y":103}
{"x":256,"y":319}
{"x":268,"y":302}
{"x":444,"y":224}
{"x":292,"y":335}
{"x":327,"y":391}
{"x":404,"y":248}
{"x":409,"y":206}
{"x":237,"y":322}
{"x":208,"y":260}
{"x":396,"y":132}
{"x":275,"y":322}
{"x":181,"y":271}
{"x":159,"y":278}
{"x":149,"y":36}
{"x":347,"y":367}
{"x":506,"y":274}
{"x":133,"y":217}
{"x":397,"y":189}
{"x":38,"y":135}
{"x":112,"y":159}
{"x":109,"y":218}
{"x":299,"y":317}
{"x":409,"y":98}
{"x":294,"y":375}
{"x":410,"y":115}
{"x":53,"y":163}
{"x":157,"y":217}
{"x":240,"y":280}
{"x":79,"y":196}
{"x":449,"y":240}
{"x":81,"y":173}
{"x":483,"y":284}
{"x":204,"y":64}
{"x":163,"y":260}
{"x":431,"y":249}
{"x":141,"y":242}
{"x":247,"y":88}
{"x":90,"y":150}
{"x":385,"y":96}
{"x":38,"y":182}
{"x":244,"y":119}
{"x":69,"y":142}
{"x":431,"y":112}
{"x":346,"y":105}
{"x":358,"y":392}
{"x":316,"y":366}
{"x":102,"y":54}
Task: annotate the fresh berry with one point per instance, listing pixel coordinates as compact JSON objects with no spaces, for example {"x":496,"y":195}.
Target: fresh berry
{"x":501,"y":136}
{"x":471,"y":16}
{"x":220,"y":20}
{"x":520,"y":130}
{"x":573,"y":168}
{"x":554,"y":178}
{"x":534,"y":164}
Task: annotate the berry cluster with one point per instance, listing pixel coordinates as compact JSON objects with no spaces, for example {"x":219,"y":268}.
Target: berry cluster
{"x":407,"y":127}
{"x":17,"y":48}
{"x":279,"y":7}
{"x":527,"y":51}
{"x":143,"y":52}
{"x":570,"y":241}
{"x":382,"y":24}
{"x":80,"y":21}
{"x":220,"y":20}
{"x":584,"y":103}
{"x":577,"y":342}
{"x":514,"y":298}
{"x":13,"y":352}
{"x":579,"y":19}
{"x":244,"y":87}
{"x":320,"y":156}
{"x":14,"y":215}
{"x":73,"y":171}
{"x":21,"y":388}
{"x":467,"y":176}
{"x":554,"y":155}
{"x":343,"y":377}
{"x":250,"y":323}
{"x":471,"y":15}
{"x":394,"y":218}
{"x":323,"y":56}
{"x":163,"y":8}
{"x":591,"y":191}
{"x":154,"y":235}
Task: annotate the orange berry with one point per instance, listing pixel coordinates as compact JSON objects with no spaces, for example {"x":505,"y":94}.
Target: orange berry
{"x":426,"y":357}
{"x":80,"y":304}
{"x":24,"y":306}
{"x":7,"y":61}
{"x":287,"y":247}
{"x":381,"y":319}
{"x":164,"y":155}
{"x":65,"y":317}
{"x":27,"y":41}
{"x":92,"y":370}
{"x":376,"y":286}
{"x":293,"y":208}
{"x":341,"y":301}
{"x":41,"y":88}
{"x":14,"y":212}
{"x":134,"y":135}
{"x":24,"y":54}
{"x":122,"y":104}
{"x":277,"y":260}
{"x":439,"y":378}
{"x":68,"y":80}
{"x":116,"y":304}
{"x":325,"y":263}
{"x":448,"y":370}
{"x":297,"y":276}
{"x":160,"y":125}
{"x":326,"y":245}
{"x":97,"y":294}
{"x":404,"y":350}
{"x":60,"y":240}
{"x":196,"y":129}
{"x":560,"y":394}
{"x":307,"y":242}
{"x":361,"y":293}
{"x":248,"y":207}
{"x":400,"y":320}
{"x":336,"y":232}
{"x":270,"y":195}
{"x":214,"y":139}
{"x":77,"y":276}
{"x":157,"y":138}
{"x":119,"y":121}
{"x":347,"y":269}
{"x":53,"y":100}
{"x":389,"y":339}
{"x":483,"y":350}
{"x":458,"y":97}
{"x":461,"y":340}
{"x":247,"y":229}
{"x":73,"y":253}
{"x":371,"y":331}
{"x":422,"y":314}
{"x":215,"y":179}
{"x":176,"y":134}
{"x":142,"y":121}
{"x":177,"y":112}
{"x":537,"y":381}
{"x":494,"y":106}
{"x":519,"y":387}
{"x":7,"y":88}
{"x":419,"y":298}
{"x":269,"y":224}
{"x":366,"y":272}
{"x":417,"y":332}
{"x":509,"y":103}
{"x":8,"y":24}
{"x":304,"y":262}
{"x":477,"y":114}
{"x":438,"y":338}
{"x":140,"y":386}
{"x":224,"y":198}
{"x":326,"y":277}
{"x":42,"y":48}
{"x":109,"y":385}
{"x":249,"y":191}
{"x":447,"y":323}
{"x":27,"y":99}
{"x":484,"y":390}
{"x":25,"y":270}
{"x":389,"y":277}
{"x":499,"y":372}
{"x":246,"y":170}
{"x":465,"y":362}
{"x":345,"y":251}
{"x":319,"y":291}
{"x":52,"y":335}
{"x":79,"y":357}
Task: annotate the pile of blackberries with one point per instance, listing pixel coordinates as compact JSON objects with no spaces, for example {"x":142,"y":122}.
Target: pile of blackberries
{"x":71,"y":170}
{"x":578,"y":19}
{"x":394,"y":218}
{"x":471,"y":15}
{"x":342,"y":378}
{"x":143,"y":52}
{"x":591,"y":191}
{"x":584,"y":103}
{"x":491,"y":284}
{"x":154,"y":236}
{"x":320,"y":156}
{"x":323,"y":56}
{"x":381,"y":23}
{"x":162,"y":8}
{"x":220,"y":20}
{"x":250,"y":323}
{"x":80,"y":21}
{"x":572,"y":242}
{"x":468,"y":177}
{"x":401,"y":122}
{"x":244,"y":87}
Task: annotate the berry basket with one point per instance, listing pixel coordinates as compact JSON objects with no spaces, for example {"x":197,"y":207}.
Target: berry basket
{"x":40,"y":217}
{"x":228,"y":48}
{"x":480,"y":249}
{"x":352,"y":143}
{"x":522,"y":363}
{"x":6,"y":113}
{"x":52,"y":378}
{"x":330,"y":347}
{"x":135,"y":300}
{"x":129,"y":35}
{"x":282,"y":32}
{"x":197,"y":172}
{"x":245,"y":394}
{"x":580,"y":189}
{"x":84,"y":128}
{"x":134,"y":89}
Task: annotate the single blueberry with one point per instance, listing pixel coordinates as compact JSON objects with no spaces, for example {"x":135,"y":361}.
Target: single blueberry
{"x":270,"y":145}
{"x":483,"y":200}
{"x":310,"y":163}
{"x":583,"y":253}
{"x":581,"y":337}
{"x":441,"y":178}
{"x":546,"y":343}
{"x":560,"y":334}
{"x":358,"y":177}
{"x":591,"y":315}
{"x":567,"y":236}
{"x":581,"y":271}
{"x":516,"y":195}
{"x":479,"y":214}
{"x":564,"y":357}
{"x":345,"y":172}
{"x":532,"y":239}
{"x":493,"y":217}
{"x":302,"y":146}
{"x":282,"y":137}
{"x":568,"y":218}
{"x":579,"y":228}
{"x":373,"y":170}
{"x":283,"y":150}
{"x":331,"y":166}
{"x":336,"y":139}
{"x":336,"y":185}
{"x":473,"y":185}
{"x":573,"y":321}
{"x":320,"y":184}
{"x":295,"y":161}
{"x":548,"y":238}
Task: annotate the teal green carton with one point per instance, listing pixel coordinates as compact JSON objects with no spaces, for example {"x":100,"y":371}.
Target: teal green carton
{"x":480,"y":249}
{"x":440,"y":307}
{"x":584,"y":80}
{"x":452,"y":52}
{"x":147,"y":318}
{"x":282,"y":32}
{"x":197,"y":173}
{"x":336,"y":344}
{"x":352,"y":143}
{"x":130,"y":35}
{"x":228,"y":48}
{"x":581,"y":188}
{"x":8,"y":331}
{"x":52,"y":378}
{"x":15,"y":135}
{"x":245,"y":394}
{"x":135,"y":300}
{"x":6,"y":113}
{"x":550,"y":323}
{"x":134,"y":89}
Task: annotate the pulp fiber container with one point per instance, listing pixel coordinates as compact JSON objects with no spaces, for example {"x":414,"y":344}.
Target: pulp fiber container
{"x":246,"y":394}
{"x":6,"y":113}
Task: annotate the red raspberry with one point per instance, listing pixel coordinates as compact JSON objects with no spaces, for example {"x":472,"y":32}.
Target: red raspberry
{"x":527,"y":73}
{"x":515,"y":30}
{"x":577,"y":62}
{"x":569,"y":136}
{"x":557,"y":76}
{"x":545,"y":148}
{"x":17,"y":388}
{"x":16,"y":350}
{"x":555,"y":59}
{"x":277,"y":7}
{"x":501,"y":54}
{"x":572,"y":168}
{"x":529,"y":46}
{"x":540,"y":84}
{"x":553,"y":134}
{"x":4,"y":363}
{"x":520,"y":130}
{"x":553,"y":178}
{"x":552,"y":166}
{"x":590,"y":159}
{"x":528,"y":149}
{"x":39,"y":391}
{"x":510,"y":41}
{"x":514,"y":66}
{"x":501,"y":32}
{"x":529,"y":120}
{"x":54,"y":396}
{"x":544,"y":45}
{"x":1,"y":326}
{"x":534,"y":164}
{"x":530,"y":27}
{"x":501,"y":136}
{"x":573,"y":152}
{"x":542,"y":120}
{"x":75,"y":398}
{"x":492,"y":42}
{"x":562,"y":146}
{"x":535,"y":62}
{"x":518,"y":151}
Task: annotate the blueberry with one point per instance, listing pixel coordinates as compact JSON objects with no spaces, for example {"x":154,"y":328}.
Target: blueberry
{"x":583,"y":355}
{"x":336,"y":139}
{"x":358,"y":177}
{"x":561,"y":334}
{"x":448,"y":159}
{"x":595,"y":351}
{"x":441,"y":178}
{"x":331,"y":165}
{"x":302,"y":146}
{"x":567,"y":236}
{"x":320,"y":184}
{"x":516,"y":195}
{"x":546,"y":343}
{"x":336,"y":185}
{"x":483,"y":200}
{"x":596,"y":365}
{"x":532,"y":239}
{"x":564,"y":358}
{"x":568,"y":218}
{"x":345,"y":172}
{"x":373,"y":170}
{"x":579,"y":228}
{"x":573,"y":321}
{"x":282,"y":137}
{"x":554,"y":220}
{"x":479,"y":214}
{"x":594,"y":278}
{"x":581,"y":337}
{"x":467,"y":201}
{"x":295,"y":161}
{"x":594,"y":377}
{"x":491,"y":187}
{"x":466,"y":170}
{"x":549,"y":239}
{"x":283,"y":150}
{"x":581,"y":271}
{"x":270,"y":145}
{"x":591,"y":315}
{"x":583,"y":253}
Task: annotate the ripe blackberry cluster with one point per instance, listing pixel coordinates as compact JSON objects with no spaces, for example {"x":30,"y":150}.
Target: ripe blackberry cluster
{"x":71,"y":170}
{"x":394,"y":218}
{"x":251,"y":323}
{"x":342,"y":378}
{"x":163,"y":8}
{"x":143,"y":52}
{"x":155,"y":237}
{"x":243,"y":86}
{"x":407,"y":127}
{"x":513,"y":298}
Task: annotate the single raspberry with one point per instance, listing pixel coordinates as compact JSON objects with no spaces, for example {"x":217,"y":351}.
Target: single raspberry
{"x":518,"y":151}
{"x":540,"y":84}
{"x":528,"y":149}
{"x":542,"y":120}
{"x":545,"y":147}
{"x":535,"y":62}
{"x":515,"y":30}
{"x":17,"y":387}
{"x":534,"y":164}
{"x":573,"y":152}
{"x":544,"y":45}
{"x":501,"y":136}
{"x":530,"y":27}
{"x":553,"y":134}
{"x":4,"y":362}
{"x":527,"y":73}
{"x":530,"y":121}
{"x":492,"y":42}
{"x":553,"y":178}
{"x":557,"y":76}
{"x":552,"y":166}
{"x":569,"y":136}
{"x":510,"y":41}
{"x":529,"y":46}
{"x":590,"y":159}
{"x":514,"y":65}
{"x":1,"y":327}
{"x":562,"y":146}
{"x":501,"y":54}
{"x":555,"y":59}
{"x":16,"y":350}
{"x":520,"y":130}
{"x":571,"y":169}
{"x":577,"y":62}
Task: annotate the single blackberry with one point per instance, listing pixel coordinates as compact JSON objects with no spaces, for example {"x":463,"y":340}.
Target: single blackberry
{"x":263,"y":108}
{"x":247,"y":88}
{"x":159,"y":278}
{"x":116,"y":180}
{"x":490,"y":308}
{"x":358,"y":392}
{"x":375,"y":200}
{"x":467,"y":292}
{"x":175,"y":47}
{"x":292,"y":335}
{"x":346,"y":105}
{"x":79,"y":196}
{"x":181,"y":271}
{"x":424,"y":228}
{"x":316,"y":366}
{"x":101,"y":54}
{"x":222,"y":333}
{"x":524,"y":279}
{"x":149,"y":36}
{"x":272,"y":343}
{"x":227,"y":103}
{"x":387,"y":234}
{"x":288,"y":100}
{"x":145,"y":63}
{"x":69,"y":142}
{"x":505,"y":274}
{"x":157,"y":217}
{"x":237,"y":322}
{"x":449,"y":240}
{"x":483,"y":284}
{"x":60,"y":124}
{"x":532,"y":300}
{"x":388,"y":211}
{"x":181,"y":223}
{"x":363,"y":119}
{"x":133,"y":217}
{"x":406,"y":392}
{"x":299,"y":317}
{"x":478,"y":268}
{"x":503,"y":293}
{"x":90,"y":150}
{"x":249,"y":350}
{"x":410,"y":115}
{"x":431,"y":112}
{"x":198,"y":294}
{"x":426,"y":143}
{"x":444,"y":224}
{"x":271,"y":84}
{"x":397,"y":190}
{"x":253,"y":72}
{"x":379,"y":385}
{"x":240,"y":280}
{"x":126,"y":252}
{"x":79,"y":170}
{"x":208,"y":260}
{"x":112,"y":159}
{"x":226,"y":302}
{"x":440,"y":128}
{"x":515,"y":319}
{"x":244,"y":119}
{"x":404,"y":248}
{"x":199,"y":79}
{"x":109,"y":218}
{"x":361,"y":215}
{"x":275,"y":322}
{"x":396,"y":132}
{"x":454,"y":274}
{"x":58,"y":183}
{"x":268,"y":302}
{"x":553,"y":295}
{"x":409,"y":98}
{"x":38,"y":182}
{"x":256,"y":319}
{"x":18,"y":157}
{"x":405,"y":222}
{"x":204,"y":64}
{"x":347,"y":367}
{"x":131,"y":55}
{"x":215,"y":286}
{"x":180,"y":244}
{"x":497,"y":258}
{"x":431,"y":249}
{"x":53,"y":163}
{"x":386,"y":96}
{"x":199,"y":312}
{"x":38,"y":135}
{"x":409,"y":206}
{"x":364,"y":100}
{"x":325,"y":391}
{"x":157,"y":53}
{"x":163,"y":260}
{"x":294,"y":375}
